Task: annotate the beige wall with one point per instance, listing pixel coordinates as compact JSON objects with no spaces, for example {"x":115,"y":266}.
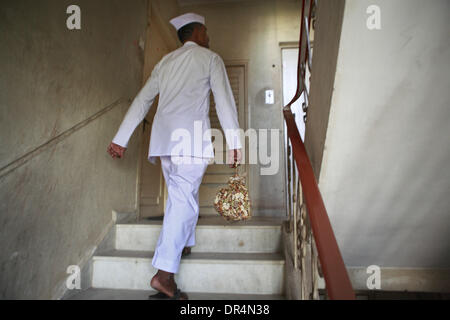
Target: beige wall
{"x":385,"y":174}
{"x":251,"y":31}
{"x":56,"y":204}
{"x":161,"y":36}
{"x":329,"y":15}
{"x":161,"y":39}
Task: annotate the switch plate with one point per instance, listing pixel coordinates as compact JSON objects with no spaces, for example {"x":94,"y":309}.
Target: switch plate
{"x":270,"y":97}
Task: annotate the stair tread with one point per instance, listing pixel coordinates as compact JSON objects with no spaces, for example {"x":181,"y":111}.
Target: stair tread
{"x":207,"y":221}
{"x":126,"y":294}
{"x":198,"y":256}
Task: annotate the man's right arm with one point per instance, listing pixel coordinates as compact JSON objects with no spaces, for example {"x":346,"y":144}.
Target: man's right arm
{"x":138,"y":109}
{"x":225,"y":104}
{"x":226,"y":109}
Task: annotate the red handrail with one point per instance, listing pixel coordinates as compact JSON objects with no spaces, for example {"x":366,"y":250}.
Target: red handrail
{"x":337,"y":281}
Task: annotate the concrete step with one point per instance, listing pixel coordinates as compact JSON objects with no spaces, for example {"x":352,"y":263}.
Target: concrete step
{"x":122,"y":294}
{"x":213,"y":234}
{"x":235,"y":273}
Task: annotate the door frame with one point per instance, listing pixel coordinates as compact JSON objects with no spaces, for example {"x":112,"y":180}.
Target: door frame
{"x":154,"y":24}
{"x":246,"y":124}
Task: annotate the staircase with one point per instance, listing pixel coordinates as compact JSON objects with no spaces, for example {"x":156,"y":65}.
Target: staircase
{"x":239,"y":260}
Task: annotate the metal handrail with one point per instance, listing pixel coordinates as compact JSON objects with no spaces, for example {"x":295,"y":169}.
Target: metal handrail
{"x":337,"y":281}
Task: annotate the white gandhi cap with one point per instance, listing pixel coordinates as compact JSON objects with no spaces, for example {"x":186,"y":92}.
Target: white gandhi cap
{"x":185,"y":19}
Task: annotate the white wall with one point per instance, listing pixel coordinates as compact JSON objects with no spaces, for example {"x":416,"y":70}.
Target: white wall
{"x":385,"y":173}
{"x":290,"y":62}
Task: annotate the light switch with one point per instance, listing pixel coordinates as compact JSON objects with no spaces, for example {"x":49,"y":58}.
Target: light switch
{"x":269,"y":97}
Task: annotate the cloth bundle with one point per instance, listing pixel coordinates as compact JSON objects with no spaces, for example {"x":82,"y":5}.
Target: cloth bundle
{"x":232,"y":202}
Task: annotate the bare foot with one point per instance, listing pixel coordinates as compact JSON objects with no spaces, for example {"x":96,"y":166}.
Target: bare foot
{"x":164,"y":282}
{"x":186,"y":251}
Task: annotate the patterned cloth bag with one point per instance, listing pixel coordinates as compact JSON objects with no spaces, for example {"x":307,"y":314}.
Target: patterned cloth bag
{"x":232,"y":202}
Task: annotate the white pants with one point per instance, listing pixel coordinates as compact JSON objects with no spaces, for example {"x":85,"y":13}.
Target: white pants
{"x":182,"y":209}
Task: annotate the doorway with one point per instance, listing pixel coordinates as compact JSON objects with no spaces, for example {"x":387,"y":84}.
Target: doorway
{"x":216,"y":175}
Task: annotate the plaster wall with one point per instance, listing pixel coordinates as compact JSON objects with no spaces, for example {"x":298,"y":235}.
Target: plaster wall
{"x":329,"y":17}
{"x":385,"y":175}
{"x":63,"y":94}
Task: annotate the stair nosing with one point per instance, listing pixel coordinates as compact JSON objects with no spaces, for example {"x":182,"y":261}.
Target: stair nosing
{"x":277,"y":258}
{"x":191,"y":294}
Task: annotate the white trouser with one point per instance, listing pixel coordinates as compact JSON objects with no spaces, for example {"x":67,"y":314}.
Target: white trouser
{"x":182,"y":209}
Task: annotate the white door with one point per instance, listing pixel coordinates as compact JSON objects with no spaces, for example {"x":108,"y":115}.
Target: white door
{"x":217,"y":175}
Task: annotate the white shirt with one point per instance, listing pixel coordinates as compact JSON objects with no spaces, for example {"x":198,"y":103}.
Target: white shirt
{"x":184,"y":79}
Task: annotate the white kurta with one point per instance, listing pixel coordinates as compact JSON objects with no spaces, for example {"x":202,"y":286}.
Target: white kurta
{"x":184,"y":79}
